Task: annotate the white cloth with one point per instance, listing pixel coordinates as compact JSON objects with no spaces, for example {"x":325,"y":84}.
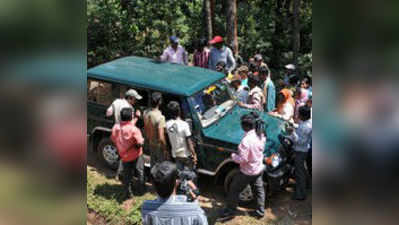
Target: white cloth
{"x":178,"y":131}
{"x":116,"y":107}
{"x":287,"y":112}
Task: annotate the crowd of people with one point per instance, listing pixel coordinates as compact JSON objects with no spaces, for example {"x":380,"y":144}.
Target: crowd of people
{"x":172,"y":148}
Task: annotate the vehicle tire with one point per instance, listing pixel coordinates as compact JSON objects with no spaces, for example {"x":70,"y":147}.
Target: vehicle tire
{"x":108,"y":154}
{"x":246,"y":196}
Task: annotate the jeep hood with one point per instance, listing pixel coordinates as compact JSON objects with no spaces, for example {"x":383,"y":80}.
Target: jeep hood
{"x":228,"y":128}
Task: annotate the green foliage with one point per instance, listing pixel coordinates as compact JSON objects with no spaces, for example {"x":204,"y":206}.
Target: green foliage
{"x":119,"y":28}
{"x":105,"y":198}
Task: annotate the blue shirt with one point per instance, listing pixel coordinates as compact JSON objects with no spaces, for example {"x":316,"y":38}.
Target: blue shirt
{"x":225,"y":55}
{"x":172,"y":211}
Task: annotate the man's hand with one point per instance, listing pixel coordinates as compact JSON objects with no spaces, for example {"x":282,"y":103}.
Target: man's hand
{"x":195,"y":159}
{"x":239,"y":103}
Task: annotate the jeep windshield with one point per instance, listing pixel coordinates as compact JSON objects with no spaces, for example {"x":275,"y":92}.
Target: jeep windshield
{"x":213,"y":102}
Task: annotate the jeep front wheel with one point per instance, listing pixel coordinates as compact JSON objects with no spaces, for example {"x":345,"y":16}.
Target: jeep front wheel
{"x":246,"y":196}
{"x":108,"y":154}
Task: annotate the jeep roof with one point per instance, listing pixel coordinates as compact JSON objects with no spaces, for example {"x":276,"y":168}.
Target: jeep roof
{"x":161,"y":76}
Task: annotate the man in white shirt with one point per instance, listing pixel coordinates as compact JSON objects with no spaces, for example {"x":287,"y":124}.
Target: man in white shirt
{"x":175,"y":53}
{"x":131,"y":97}
{"x":180,"y":139}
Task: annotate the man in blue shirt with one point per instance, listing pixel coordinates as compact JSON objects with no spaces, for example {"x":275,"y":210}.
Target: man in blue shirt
{"x":170,"y":208}
{"x":220,"y":52}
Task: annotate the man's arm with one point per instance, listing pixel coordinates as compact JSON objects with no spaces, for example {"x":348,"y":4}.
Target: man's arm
{"x":164,"y":55}
{"x":230,"y":58}
{"x":110,"y":110}
{"x":190,"y":144}
{"x":161,"y":135}
{"x":185,"y":57}
{"x":242,"y":155}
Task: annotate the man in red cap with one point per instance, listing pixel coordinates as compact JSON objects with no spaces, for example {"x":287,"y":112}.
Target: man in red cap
{"x":220,"y":52}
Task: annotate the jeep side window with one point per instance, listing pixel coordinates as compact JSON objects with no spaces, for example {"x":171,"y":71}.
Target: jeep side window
{"x":168,"y":98}
{"x":99,"y":92}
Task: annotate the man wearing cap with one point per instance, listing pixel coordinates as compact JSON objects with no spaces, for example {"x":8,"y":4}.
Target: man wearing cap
{"x":259,"y":61}
{"x":175,"y":53}
{"x":220,"y":52}
{"x":131,"y":96}
{"x":240,"y":91}
{"x":290,"y":73}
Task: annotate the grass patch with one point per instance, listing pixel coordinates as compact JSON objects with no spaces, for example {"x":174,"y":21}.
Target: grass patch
{"x":104,"y":196}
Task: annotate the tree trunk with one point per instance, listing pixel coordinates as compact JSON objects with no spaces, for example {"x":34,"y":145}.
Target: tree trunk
{"x":278,"y":33}
{"x":231,"y":25}
{"x":296,"y":39}
{"x":208,"y":18}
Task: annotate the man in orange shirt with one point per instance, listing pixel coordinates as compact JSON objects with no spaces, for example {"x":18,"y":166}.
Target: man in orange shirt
{"x":129,"y":142}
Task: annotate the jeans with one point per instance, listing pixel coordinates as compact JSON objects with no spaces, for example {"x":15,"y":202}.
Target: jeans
{"x":238,"y":185}
{"x":134,"y":167}
{"x":300,"y":175}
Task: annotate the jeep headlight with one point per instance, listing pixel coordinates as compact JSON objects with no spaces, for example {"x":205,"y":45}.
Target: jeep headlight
{"x":274,"y":160}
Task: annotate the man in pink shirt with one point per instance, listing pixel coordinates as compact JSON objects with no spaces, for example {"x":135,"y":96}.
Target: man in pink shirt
{"x":250,"y":157}
{"x":175,"y":53}
{"x":129,"y":142}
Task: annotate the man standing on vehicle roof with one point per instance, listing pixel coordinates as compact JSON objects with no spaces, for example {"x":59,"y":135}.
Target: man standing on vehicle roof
{"x":154,"y":129}
{"x":175,"y":53}
{"x":220,"y":52}
{"x":131,"y":97}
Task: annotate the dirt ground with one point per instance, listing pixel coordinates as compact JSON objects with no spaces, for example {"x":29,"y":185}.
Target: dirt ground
{"x":280,"y":209}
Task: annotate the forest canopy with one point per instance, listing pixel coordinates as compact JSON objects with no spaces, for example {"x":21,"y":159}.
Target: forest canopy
{"x":280,"y":30}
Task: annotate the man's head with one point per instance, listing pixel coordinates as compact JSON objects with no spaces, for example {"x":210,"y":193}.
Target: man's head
{"x":253,"y":81}
{"x":298,"y":92}
{"x":132,"y":96}
{"x":173,"y":109}
{"x":174,"y":41}
{"x":156,"y":99}
{"x":306,"y":82}
{"x":236,"y":82}
{"x":258,"y":59}
{"x":217,"y":42}
{"x":304,"y":113}
{"x":201,"y":44}
{"x":247,"y":122}
{"x":221,"y":67}
{"x":164,"y":176}
{"x":280,"y":98}
{"x":264,"y":72}
{"x":243,"y":72}
{"x":126,"y":114}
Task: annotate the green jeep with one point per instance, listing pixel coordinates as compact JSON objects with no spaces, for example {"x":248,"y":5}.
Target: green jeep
{"x":206,"y":102}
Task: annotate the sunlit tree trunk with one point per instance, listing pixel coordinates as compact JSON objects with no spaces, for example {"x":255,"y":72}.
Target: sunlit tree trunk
{"x":208,"y":18}
{"x":296,"y":39}
{"x":231,"y":24}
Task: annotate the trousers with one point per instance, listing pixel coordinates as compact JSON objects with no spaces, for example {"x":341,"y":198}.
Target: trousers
{"x":238,"y":185}
{"x":133,"y":167}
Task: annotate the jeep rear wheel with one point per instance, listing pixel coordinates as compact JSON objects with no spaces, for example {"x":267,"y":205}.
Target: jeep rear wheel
{"x":108,"y":154}
{"x":246,"y":196}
